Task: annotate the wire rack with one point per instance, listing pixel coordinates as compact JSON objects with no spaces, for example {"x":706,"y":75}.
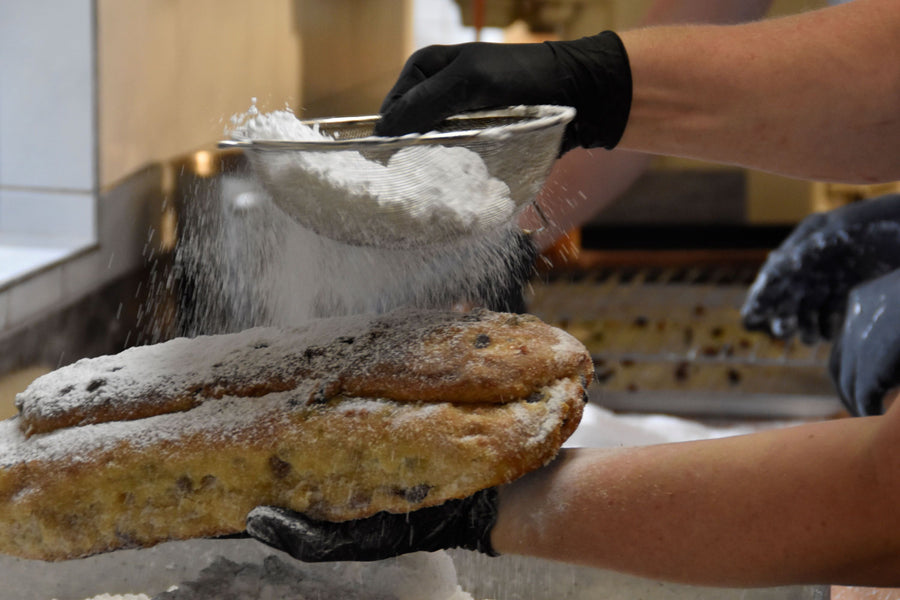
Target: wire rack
{"x":670,"y":339}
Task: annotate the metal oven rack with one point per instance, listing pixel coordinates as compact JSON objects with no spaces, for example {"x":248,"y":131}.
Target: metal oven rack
{"x":669,"y":339}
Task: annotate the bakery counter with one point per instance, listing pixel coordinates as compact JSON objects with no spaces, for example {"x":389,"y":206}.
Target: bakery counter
{"x":243,"y":569}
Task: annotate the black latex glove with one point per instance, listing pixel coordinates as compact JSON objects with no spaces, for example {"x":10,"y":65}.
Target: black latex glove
{"x":865,"y":357}
{"x":803,"y":286}
{"x":465,"y":523}
{"x":591,"y":74}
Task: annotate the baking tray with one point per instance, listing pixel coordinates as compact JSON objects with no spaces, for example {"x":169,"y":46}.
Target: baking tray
{"x":670,"y":339}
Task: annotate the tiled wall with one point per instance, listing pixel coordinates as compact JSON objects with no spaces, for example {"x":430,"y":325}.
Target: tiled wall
{"x":47,"y":157}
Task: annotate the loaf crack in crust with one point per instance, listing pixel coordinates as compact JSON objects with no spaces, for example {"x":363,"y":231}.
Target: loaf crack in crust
{"x":339,"y":419}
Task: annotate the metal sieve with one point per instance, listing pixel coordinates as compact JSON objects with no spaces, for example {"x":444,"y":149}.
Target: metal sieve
{"x":394,"y":193}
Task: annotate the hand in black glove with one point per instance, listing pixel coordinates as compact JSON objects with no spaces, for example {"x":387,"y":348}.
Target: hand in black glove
{"x":465,"y":523}
{"x":804,"y":284}
{"x":591,"y":74}
{"x":865,"y":357}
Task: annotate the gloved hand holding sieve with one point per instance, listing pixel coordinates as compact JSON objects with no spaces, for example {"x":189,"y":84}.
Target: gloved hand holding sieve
{"x":473,"y":174}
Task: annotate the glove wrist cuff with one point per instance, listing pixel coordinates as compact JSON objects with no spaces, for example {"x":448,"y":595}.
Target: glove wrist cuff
{"x":601,"y":87}
{"x":481,"y":518}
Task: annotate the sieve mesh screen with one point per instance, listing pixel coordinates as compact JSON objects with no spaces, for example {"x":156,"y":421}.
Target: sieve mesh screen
{"x":469,"y":177}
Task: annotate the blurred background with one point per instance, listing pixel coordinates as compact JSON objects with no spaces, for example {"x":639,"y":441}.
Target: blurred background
{"x":109,"y":110}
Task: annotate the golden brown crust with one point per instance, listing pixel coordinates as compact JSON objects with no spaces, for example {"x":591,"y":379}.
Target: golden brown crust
{"x":94,"y":488}
{"x":421,"y":356}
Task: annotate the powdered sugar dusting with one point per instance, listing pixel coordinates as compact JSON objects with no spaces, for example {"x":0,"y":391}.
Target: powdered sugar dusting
{"x":566,"y":345}
{"x":192,"y":366}
{"x":408,"y":355}
{"x":218,"y":420}
{"x":253,"y":265}
{"x":236,"y":379}
{"x":232,"y":417}
{"x":555,"y":398}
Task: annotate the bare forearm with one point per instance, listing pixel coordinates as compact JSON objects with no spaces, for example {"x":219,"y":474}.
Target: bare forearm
{"x":583,"y":182}
{"x":810,"y":95}
{"x":789,"y":506}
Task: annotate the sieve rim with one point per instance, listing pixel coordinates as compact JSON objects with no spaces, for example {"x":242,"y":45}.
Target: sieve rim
{"x":533,"y":118}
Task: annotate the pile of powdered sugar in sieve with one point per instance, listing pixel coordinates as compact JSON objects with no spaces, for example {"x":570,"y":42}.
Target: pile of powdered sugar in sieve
{"x":419,"y":195}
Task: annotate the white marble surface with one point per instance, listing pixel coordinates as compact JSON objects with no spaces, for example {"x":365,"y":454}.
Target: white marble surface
{"x":18,"y":261}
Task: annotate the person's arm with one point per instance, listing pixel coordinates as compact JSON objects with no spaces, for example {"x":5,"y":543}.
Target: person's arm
{"x":812,"y":95}
{"x":807,"y":504}
{"x":583,"y":182}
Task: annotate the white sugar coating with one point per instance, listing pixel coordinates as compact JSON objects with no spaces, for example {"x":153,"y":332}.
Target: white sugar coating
{"x":183,"y":372}
{"x":566,"y":345}
{"x":221,"y":419}
{"x":417,"y":576}
{"x":413,"y":577}
{"x":230,"y":417}
{"x":421,"y":192}
{"x":175,"y":365}
{"x":142,"y":373}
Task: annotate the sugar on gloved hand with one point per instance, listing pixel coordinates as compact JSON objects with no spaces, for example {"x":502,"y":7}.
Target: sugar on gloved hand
{"x":865,"y":357}
{"x":802,"y":288}
{"x":465,"y":523}
{"x":591,"y":74}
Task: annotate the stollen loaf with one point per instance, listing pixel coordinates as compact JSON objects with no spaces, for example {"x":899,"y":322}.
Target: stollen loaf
{"x":338,"y":419}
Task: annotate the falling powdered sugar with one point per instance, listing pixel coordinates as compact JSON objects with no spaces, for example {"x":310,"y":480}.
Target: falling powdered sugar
{"x":252,"y":265}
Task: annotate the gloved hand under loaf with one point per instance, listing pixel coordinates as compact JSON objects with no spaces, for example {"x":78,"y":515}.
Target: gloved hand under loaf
{"x":591,"y":74}
{"x":465,"y":523}
{"x":803,"y":286}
